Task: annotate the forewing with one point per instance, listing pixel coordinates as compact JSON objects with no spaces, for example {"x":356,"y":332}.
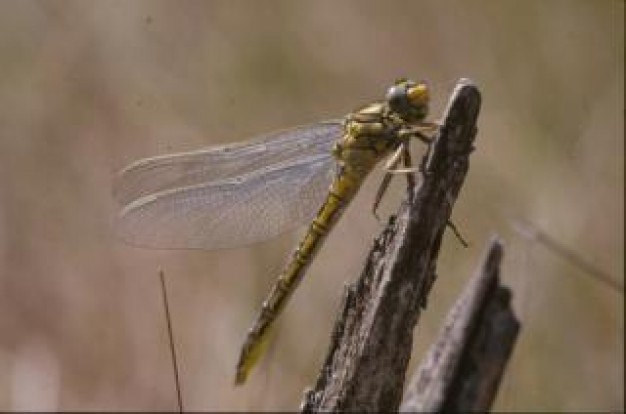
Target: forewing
{"x":230,"y":212}
{"x":172,"y":171}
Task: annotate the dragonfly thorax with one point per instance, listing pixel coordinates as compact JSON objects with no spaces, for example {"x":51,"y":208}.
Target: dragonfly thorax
{"x":370,"y":134}
{"x":373,"y":131}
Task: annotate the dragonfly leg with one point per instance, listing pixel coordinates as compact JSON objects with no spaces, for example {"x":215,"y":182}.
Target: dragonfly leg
{"x":457,"y":233}
{"x":394,"y":160}
{"x":380,"y":192}
{"x":400,"y":155}
{"x":391,"y":163}
{"x":425,"y":131}
{"x":431,"y":125}
{"x":410,"y":177}
{"x":432,"y":128}
{"x":404,"y":170}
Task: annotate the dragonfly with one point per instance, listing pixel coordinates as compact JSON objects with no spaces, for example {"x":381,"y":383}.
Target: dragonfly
{"x":243,"y":193}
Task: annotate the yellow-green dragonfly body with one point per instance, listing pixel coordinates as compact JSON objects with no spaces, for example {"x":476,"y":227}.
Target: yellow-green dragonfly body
{"x":240,"y":194}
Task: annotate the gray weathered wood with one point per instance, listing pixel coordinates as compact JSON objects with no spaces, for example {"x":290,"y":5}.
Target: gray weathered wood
{"x":462,"y":370}
{"x":372,"y":339}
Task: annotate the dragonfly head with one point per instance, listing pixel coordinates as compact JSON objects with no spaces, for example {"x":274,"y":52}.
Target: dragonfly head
{"x":409,"y":99}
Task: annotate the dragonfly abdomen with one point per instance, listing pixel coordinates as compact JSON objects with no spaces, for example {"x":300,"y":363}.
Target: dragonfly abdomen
{"x":340,"y":194}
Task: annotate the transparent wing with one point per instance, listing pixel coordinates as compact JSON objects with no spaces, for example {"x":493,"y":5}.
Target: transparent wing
{"x":220,"y":208}
{"x":231,"y":212}
{"x":152,"y":175}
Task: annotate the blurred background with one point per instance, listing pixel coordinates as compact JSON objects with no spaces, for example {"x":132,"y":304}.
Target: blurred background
{"x":87,"y":87}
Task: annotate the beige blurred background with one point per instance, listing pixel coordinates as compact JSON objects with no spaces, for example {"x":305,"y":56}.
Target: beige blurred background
{"x":86,"y":87}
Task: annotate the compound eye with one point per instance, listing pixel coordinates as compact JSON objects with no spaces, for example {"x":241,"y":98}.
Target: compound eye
{"x":418,"y":95}
{"x":397,"y":98}
{"x":396,"y":93}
